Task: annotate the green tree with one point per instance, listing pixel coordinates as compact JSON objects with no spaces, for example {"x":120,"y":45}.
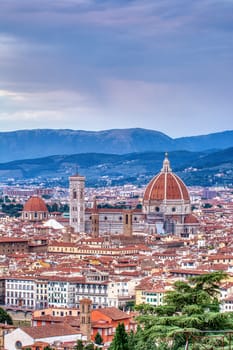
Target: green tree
{"x":120,"y":340}
{"x":79,"y":345}
{"x":12,"y":209}
{"x":89,"y":347}
{"x":191,"y":307}
{"x":98,"y":339}
{"x":207,"y":205}
{"x":5,"y":317}
{"x":140,"y":341}
{"x":132,"y":341}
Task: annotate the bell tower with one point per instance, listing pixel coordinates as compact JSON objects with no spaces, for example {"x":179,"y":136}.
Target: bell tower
{"x":85,"y":318}
{"x":77,"y":205}
{"x":95,"y":221}
{"x":128,"y":223}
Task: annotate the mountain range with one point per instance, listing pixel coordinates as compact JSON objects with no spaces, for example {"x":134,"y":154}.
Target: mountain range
{"x":28,"y":144}
{"x":195,"y":168}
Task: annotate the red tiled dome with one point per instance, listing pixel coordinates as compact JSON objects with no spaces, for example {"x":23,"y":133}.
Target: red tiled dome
{"x":166,"y":186}
{"x":35,"y":204}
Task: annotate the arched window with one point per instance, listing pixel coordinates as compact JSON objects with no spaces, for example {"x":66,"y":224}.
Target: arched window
{"x":18,"y":344}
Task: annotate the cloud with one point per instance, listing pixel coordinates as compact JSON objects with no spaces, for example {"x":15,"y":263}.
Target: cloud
{"x":115,"y":63}
{"x":176,"y":109}
{"x":153,"y":16}
{"x":38,"y":108}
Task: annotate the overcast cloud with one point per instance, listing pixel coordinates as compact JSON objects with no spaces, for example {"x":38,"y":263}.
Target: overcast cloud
{"x":83,"y":64}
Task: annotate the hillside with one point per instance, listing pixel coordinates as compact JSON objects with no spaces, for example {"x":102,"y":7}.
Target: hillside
{"x":199,"y":168}
{"x":27,"y":144}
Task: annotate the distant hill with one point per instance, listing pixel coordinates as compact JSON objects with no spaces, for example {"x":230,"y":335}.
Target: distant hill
{"x":219,"y":140}
{"x":27,"y":144}
{"x":199,"y":168}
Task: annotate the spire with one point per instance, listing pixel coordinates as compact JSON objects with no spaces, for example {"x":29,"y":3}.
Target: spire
{"x":166,"y":164}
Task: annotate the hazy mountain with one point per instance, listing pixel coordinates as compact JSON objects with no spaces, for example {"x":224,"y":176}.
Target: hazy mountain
{"x":26,"y":144}
{"x":218,"y":140}
{"x":193,"y":167}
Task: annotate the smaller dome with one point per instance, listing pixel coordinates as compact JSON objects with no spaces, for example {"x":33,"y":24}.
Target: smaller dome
{"x":35,"y":204}
{"x":191,"y":219}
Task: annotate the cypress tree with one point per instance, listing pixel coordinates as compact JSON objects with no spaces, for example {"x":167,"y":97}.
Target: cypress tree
{"x":120,"y":340}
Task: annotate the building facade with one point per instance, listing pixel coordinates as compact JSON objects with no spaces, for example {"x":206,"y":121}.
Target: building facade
{"x":166,"y":209}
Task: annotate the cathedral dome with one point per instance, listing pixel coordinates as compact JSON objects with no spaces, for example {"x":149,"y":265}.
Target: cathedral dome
{"x":35,"y":204}
{"x":166,"y":186}
{"x":35,"y":209}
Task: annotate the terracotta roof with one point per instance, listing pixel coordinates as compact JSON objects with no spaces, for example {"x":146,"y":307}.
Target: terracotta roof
{"x":38,"y":343}
{"x":166,"y":186}
{"x":71,"y":320}
{"x":12,"y":240}
{"x":191,"y":219}
{"x":113,"y":313}
{"x":52,"y":330}
{"x":34,"y":204}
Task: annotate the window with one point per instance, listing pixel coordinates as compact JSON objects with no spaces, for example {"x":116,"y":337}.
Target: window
{"x":18,"y":344}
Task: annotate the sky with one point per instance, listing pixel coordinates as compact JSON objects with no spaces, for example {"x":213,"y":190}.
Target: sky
{"x":165,"y":65}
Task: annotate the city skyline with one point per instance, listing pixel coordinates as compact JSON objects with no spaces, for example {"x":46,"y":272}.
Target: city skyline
{"x":97,"y":65}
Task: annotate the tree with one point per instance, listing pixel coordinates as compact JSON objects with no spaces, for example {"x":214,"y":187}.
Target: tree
{"x":5,"y":317}
{"x":190,"y":308}
{"x":139,"y":341}
{"x":98,"y":339}
{"x":12,"y":209}
{"x":120,"y":340}
{"x":79,"y":345}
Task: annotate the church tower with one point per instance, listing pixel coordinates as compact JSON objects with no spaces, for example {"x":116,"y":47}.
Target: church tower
{"x":77,"y":205}
{"x":95,"y":221}
{"x":128,"y":223}
{"x":85,"y":318}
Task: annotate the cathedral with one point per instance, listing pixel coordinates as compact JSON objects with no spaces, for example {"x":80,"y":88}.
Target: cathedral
{"x":166,"y":209}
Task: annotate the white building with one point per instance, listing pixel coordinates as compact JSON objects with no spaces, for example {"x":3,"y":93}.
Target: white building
{"x":27,"y":336}
{"x":121,"y":289}
{"x":20,"y":292}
